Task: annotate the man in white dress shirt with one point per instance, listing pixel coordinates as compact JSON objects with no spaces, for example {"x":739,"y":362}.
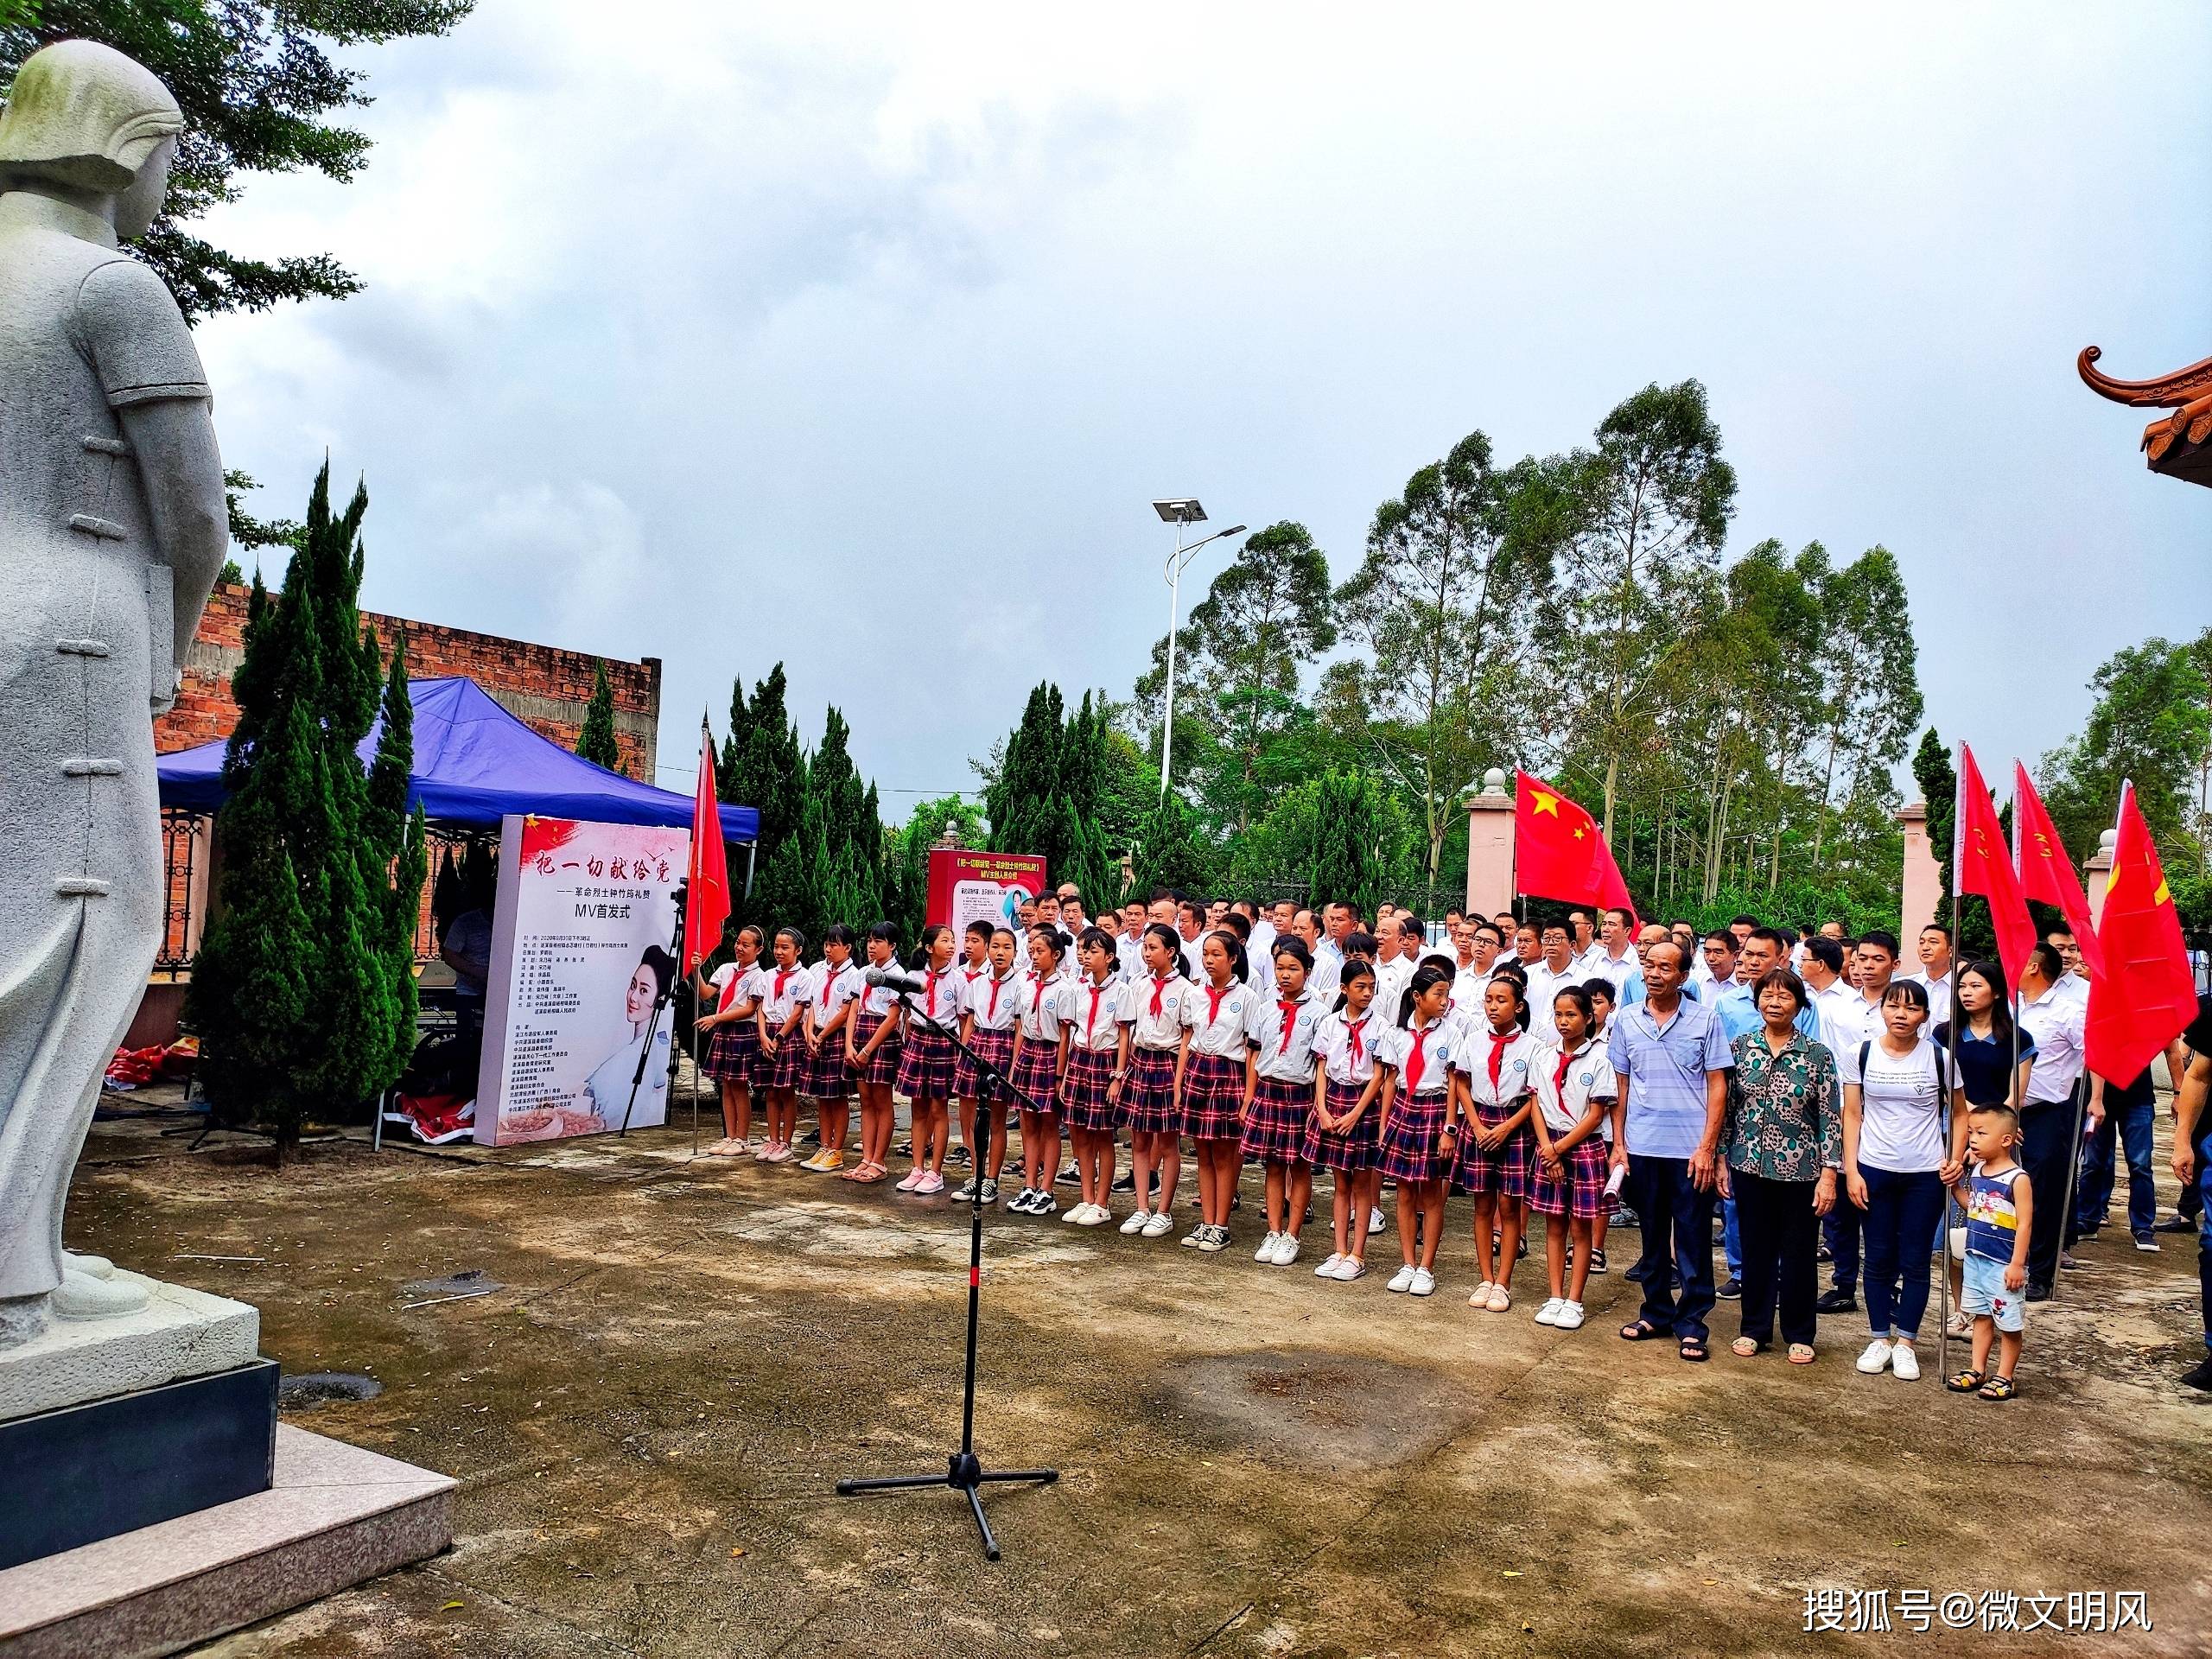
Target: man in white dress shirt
{"x":1552,"y":970}
{"x":1934,"y":948}
{"x":2049,"y":1121}
{"x":1615,"y":960}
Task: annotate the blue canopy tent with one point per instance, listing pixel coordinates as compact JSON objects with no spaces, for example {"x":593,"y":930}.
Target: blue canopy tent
{"x":474,"y":763}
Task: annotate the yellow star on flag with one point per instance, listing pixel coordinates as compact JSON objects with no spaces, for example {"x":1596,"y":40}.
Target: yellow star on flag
{"x":1577,"y":832}
{"x":1547,"y":803}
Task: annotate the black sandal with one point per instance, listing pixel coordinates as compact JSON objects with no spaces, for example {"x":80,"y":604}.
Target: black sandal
{"x":1692,"y":1349}
{"x":1964,"y":1382}
{"x":1998,"y":1388}
{"x":1640,"y":1331}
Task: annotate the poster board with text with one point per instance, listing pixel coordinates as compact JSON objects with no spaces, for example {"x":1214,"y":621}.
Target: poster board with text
{"x":967,"y":886}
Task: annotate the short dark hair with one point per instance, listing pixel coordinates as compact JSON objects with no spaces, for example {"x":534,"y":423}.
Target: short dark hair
{"x":1723,"y":936}
{"x":1789,"y":982}
{"x":1937,"y":927}
{"x":1911,"y":990}
{"x":1359,"y":942}
{"x":1767,"y":936}
{"x":1827,"y":951}
{"x":1624,"y":917}
{"x":1743,"y":921}
{"x":2048,"y":961}
{"x":1554,"y":927}
{"x":1998,"y":1109}
{"x":1881,"y":939}
{"x":1490,"y":928}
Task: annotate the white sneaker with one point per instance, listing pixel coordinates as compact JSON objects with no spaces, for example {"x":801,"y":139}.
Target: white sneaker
{"x":1328,"y":1268}
{"x":1074,"y":1213}
{"x":1424,"y":1282}
{"x":1401,"y":1279}
{"x":1374,"y":1223}
{"x":1904,"y":1362}
{"x":1549,"y":1313}
{"x":1094,"y":1215}
{"x":1266,"y":1253}
{"x":1160,"y":1225}
{"x":1350,"y":1268}
{"x":1481,"y":1297}
{"x":1286,"y":1250}
{"x":1135,"y":1224}
{"x":1569,"y":1317}
{"x":1877,"y":1357}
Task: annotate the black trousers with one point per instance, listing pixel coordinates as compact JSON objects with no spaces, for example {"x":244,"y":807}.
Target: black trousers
{"x":2047,"y":1149}
{"x":1781,"y":1238}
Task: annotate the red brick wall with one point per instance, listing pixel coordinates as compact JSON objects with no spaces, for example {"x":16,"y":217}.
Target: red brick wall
{"x":546,"y":687}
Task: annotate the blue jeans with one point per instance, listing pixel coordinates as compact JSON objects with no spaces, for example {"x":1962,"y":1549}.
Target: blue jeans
{"x":1902,"y":1213}
{"x":2204,"y":1239}
{"x":2130,"y":1126}
{"x":1731,"y":1242}
{"x":1677,"y":1221}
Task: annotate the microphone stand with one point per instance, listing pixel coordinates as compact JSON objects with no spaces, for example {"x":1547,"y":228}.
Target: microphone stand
{"x":964,"y":1471}
{"x":652,"y":1023}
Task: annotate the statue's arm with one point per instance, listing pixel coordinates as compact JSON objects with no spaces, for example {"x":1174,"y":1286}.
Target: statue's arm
{"x":173,"y":440}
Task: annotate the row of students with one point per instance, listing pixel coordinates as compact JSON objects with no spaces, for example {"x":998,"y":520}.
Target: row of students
{"x":1426,"y":1094}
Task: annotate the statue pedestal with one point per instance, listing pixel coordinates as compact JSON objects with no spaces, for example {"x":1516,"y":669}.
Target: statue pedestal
{"x":178,"y":1333}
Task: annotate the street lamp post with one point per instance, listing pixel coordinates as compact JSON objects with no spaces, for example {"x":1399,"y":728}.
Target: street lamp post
{"x":1179,"y":512}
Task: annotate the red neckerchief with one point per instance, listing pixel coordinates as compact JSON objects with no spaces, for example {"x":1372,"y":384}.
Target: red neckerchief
{"x":930,"y":977}
{"x":1417,"y":1061}
{"x":1090,"y":1019}
{"x":1352,"y":1029}
{"x":829,"y":984}
{"x":992,"y":1012}
{"x":1158,"y":990}
{"x":1498,"y":1039}
{"x":1289,"y":1021}
{"x":1559,"y":1080}
{"x":783,"y":978}
{"x":1214,"y":994}
{"x":1037,"y":998}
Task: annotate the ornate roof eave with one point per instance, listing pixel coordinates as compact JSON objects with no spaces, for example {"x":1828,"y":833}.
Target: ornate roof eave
{"x":2187,"y":392}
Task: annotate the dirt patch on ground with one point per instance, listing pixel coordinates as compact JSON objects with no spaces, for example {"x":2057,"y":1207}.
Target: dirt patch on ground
{"x":648,"y":1414}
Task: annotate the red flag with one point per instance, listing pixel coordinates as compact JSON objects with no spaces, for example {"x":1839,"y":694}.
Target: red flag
{"x":2146,"y":994}
{"x":1558,"y":853}
{"x":1981,"y":863}
{"x":706,"y":905}
{"x":2046,"y":873}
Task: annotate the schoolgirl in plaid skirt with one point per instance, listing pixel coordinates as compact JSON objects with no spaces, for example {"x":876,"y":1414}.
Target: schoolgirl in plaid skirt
{"x":1038,"y":1054}
{"x":1152,"y":1017}
{"x":1419,"y":1149}
{"x":733,"y":1041}
{"x":785,"y":990}
{"x":1280,"y":1029}
{"x":837,"y":991}
{"x":873,"y":1049}
{"x":925,"y":1069}
{"x":1493,"y":1064}
{"x":1097,"y":1047}
{"x":1574,"y":1088}
{"x":1216,"y":1078}
{"x":986,"y":1021}
{"x":1344,"y":1050}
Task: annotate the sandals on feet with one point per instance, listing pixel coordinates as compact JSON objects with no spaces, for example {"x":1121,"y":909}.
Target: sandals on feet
{"x":1999,"y":1388}
{"x":1963,"y":1381}
{"x":1640,"y":1331}
{"x":1801,"y":1353}
{"x":1745,"y":1347}
{"x":1693,"y":1350}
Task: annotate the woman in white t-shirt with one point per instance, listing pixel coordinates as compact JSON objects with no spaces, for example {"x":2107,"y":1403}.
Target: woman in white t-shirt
{"x":1904,"y":1144}
{"x":733,"y":1041}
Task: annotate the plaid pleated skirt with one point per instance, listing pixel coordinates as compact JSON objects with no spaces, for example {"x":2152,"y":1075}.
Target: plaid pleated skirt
{"x":733,"y":1053}
{"x":1091,"y":1074}
{"x":1037,"y":1074}
{"x":1346,"y":1151}
{"x":1408,"y":1144}
{"x":1281,"y":1113}
{"x":1149,"y":1093}
{"x":1510,"y":1169}
{"x":787,"y":1069}
{"x":1213,"y":1098}
{"x":882,"y":1066}
{"x":997,"y":1047}
{"x":829,"y":1077}
{"x":1580,"y":1192}
{"x":925,"y":1069}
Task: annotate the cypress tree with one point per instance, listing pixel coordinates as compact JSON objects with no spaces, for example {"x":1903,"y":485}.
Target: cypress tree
{"x":741,"y":726}
{"x":793,"y":889}
{"x":1171,"y":852}
{"x":302,"y":990}
{"x":595,"y":742}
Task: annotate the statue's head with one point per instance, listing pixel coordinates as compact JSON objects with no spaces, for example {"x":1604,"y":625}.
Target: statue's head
{"x":85,"y":118}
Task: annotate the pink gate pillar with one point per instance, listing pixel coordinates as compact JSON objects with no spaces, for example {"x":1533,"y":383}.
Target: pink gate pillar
{"x":1490,"y":846}
{"x":1923,"y":878}
{"x":2100,"y":874}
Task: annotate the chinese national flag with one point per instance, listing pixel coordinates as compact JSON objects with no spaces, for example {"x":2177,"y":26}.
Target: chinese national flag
{"x":1981,"y":863}
{"x":2046,"y":873}
{"x":2145,"y":995}
{"x":1558,"y":852}
{"x":706,"y":905}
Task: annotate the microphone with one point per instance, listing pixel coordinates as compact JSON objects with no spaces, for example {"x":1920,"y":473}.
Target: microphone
{"x":895,"y":978}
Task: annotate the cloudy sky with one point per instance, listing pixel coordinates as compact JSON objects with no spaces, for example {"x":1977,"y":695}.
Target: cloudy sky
{"x":861,"y":338}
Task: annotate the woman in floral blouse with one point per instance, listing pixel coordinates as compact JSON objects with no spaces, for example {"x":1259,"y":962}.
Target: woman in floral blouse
{"x":1784,"y":1144}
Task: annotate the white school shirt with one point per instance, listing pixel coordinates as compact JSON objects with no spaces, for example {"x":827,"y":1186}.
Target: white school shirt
{"x":990,"y":1013}
{"x":781,"y":991}
{"x":1092,"y":1013}
{"x":2055,"y":1020}
{"x":1262,"y":977}
{"x":1332,"y":1041}
{"x":1037,"y":1005}
{"x":1904,"y":1124}
{"x":1194,"y":960}
{"x":1218,"y":1021}
{"x":1589,"y":1076}
{"x":1263,"y":1025}
{"x":1438,"y":1044}
{"x":940,"y":997}
{"x":1615,"y":974}
{"x":1148,"y":1029}
{"x":1391,"y":979}
{"x":1328,"y":977}
{"x":834,"y":987}
{"x":1468,"y":988}
{"x":969,"y":978}
{"x":1850,"y":1020}
{"x":733,"y":985}
{"x":1543,"y":985}
{"x":1264,"y":936}
{"x":878,"y":1000}
{"x":1470,"y":1058}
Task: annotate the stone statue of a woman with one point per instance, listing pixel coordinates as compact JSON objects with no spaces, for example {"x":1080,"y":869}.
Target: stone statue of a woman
{"x":111,"y":531}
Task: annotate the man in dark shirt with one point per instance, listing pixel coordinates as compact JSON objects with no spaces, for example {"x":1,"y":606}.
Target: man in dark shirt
{"x":2192,"y":1141}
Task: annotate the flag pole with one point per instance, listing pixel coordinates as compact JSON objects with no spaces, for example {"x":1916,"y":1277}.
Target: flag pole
{"x":2081,"y":1090}
{"x":1951,"y":1066}
{"x":706,"y":738}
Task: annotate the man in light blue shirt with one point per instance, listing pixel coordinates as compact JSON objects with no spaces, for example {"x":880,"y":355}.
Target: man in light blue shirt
{"x":1672,"y":1059}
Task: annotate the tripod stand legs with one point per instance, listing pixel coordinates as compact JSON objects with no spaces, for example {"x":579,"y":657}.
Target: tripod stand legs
{"x":964,"y":1473}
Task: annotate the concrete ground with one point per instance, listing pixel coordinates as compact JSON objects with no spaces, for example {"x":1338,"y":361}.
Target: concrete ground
{"x":648,"y":1413}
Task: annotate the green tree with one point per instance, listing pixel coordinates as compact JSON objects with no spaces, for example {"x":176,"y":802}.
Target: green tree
{"x":1441,"y":603}
{"x":1870,"y":667}
{"x":1652,"y":501}
{"x":257,"y":84}
{"x":793,"y":888}
{"x":1340,"y":836}
{"x":1172,"y":849}
{"x":2152,"y":724}
{"x":595,"y":741}
{"x":908,"y":881}
{"x":301,"y":991}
